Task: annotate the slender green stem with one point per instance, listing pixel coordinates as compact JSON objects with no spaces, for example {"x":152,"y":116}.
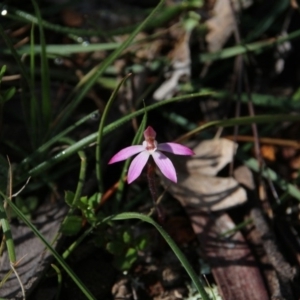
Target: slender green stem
{"x":151,"y":166}
{"x":78,"y":241}
{"x":59,"y":281}
{"x":82,"y":174}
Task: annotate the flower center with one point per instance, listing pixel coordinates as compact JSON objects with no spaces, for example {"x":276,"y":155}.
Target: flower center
{"x":150,"y":144}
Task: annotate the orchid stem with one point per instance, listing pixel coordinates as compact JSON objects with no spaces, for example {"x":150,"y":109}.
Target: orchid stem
{"x":153,"y":190}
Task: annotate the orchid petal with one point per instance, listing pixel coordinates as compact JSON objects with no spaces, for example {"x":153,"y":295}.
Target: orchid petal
{"x":126,"y":153}
{"x":137,"y":165}
{"x":165,"y":165}
{"x":149,"y":133}
{"x":175,"y":148}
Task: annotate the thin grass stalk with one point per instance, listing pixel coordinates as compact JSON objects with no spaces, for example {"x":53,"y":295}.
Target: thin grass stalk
{"x":100,"y":134}
{"x":45,"y":113}
{"x":82,"y":174}
{"x":33,"y":115}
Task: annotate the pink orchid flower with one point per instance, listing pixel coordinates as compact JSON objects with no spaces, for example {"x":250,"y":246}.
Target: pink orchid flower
{"x":151,"y":147}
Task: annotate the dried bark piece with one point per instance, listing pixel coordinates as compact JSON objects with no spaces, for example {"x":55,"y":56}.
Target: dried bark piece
{"x":35,"y":259}
{"x":232,"y":263}
{"x":270,"y":275}
{"x":284,"y":269}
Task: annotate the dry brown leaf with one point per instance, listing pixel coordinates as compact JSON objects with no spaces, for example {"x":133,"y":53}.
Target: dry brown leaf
{"x":244,"y":176}
{"x":197,"y":185}
{"x":211,"y":156}
{"x":221,"y":25}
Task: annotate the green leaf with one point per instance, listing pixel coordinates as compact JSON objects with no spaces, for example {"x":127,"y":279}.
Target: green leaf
{"x":115,"y":247}
{"x":83,"y":203}
{"x":8,"y":94}
{"x":142,"y":242}
{"x":71,"y":225}
{"x":127,"y":237}
{"x":90,"y":215}
{"x":94,"y":200}
{"x":125,"y":262}
{"x":69,"y":198}
{"x":2,"y":71}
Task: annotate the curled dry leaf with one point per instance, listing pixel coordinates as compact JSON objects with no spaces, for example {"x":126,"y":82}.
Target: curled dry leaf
{"x":244,"y":176}
{"x":197,"y":184}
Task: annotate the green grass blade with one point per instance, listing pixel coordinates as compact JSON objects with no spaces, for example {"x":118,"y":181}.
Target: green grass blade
{"x":33,"y":116}
{"x":256,"y":47}
{"x":68,"y":50}
{"x":46,"y":112}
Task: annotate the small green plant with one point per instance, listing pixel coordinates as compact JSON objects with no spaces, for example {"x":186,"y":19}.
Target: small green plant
{"x":125,"y":247}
